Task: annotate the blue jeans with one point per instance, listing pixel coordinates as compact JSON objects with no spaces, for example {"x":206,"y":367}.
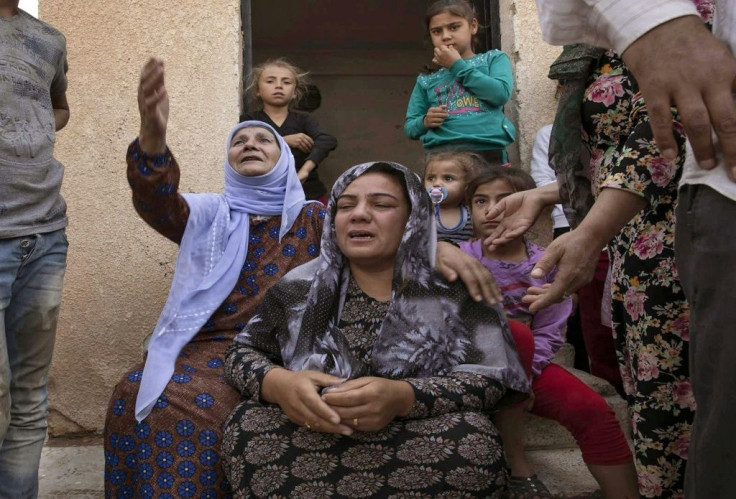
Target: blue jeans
{"x":31,"y":275}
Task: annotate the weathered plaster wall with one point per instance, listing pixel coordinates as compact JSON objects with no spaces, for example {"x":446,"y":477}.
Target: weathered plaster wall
{"x":119,"y":269}
{"x":534,"y":102}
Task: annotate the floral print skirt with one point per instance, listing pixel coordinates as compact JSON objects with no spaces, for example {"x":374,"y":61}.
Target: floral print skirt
{"x":650,"y":314}
{"x":455,"y":455}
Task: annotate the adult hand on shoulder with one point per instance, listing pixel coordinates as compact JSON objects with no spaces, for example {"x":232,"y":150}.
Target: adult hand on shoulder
{"x":300,"y":141}
{"x":153,"y":106}
{"x":445,"y":56}
{"x":370,"y":403}
{"x":681,"y":62}
{"x":575,"y":255}
{"x":435,"y":116}
{"x":452,"y":262}
{"x":297,"y":393}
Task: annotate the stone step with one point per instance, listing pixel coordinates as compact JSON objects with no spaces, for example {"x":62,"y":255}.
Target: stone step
{"x":73,"y":471}
{"x":564,"y":473}
{"x":76,"y":471}
{"x":544,"y":433}
{"x":565,"y":356}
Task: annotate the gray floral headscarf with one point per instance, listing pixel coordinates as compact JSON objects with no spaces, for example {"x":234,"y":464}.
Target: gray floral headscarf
{"x":432,"y":327}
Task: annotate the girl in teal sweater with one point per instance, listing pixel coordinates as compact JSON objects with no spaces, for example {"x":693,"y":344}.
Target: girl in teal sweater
{"x":460,"y":106}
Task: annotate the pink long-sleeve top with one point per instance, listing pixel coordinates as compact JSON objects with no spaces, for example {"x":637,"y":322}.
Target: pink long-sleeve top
{"x":513,"y":278}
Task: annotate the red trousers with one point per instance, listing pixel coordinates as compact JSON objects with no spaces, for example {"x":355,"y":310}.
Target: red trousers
{"x":562,"y":397}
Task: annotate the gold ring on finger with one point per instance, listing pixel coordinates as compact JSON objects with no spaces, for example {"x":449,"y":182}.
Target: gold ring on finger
{"x":306,"y":424}
{"x":355,"y":421}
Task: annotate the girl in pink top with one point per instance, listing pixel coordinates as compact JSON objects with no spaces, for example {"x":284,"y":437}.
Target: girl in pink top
{"x":558,"y":394}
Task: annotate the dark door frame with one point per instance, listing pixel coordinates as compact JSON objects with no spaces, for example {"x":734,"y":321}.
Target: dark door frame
{"x":488,"y":13}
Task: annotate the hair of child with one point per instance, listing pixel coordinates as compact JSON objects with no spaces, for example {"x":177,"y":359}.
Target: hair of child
{"x":301,"y":77}
{"x":460,"y":8}
{"x":518,"y":179}
{"x":470,"y":162}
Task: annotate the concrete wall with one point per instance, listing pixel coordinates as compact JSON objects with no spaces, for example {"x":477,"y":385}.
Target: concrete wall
{"x":119,"y":270}
{"x":534,"y":103}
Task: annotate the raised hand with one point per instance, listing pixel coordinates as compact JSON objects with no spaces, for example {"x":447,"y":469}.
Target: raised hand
{"x":445,"y":56}
{"x":297,"y":393}
{"x":300,"y":141}
{"x":153,"y":106}
{"x":370,"y":404}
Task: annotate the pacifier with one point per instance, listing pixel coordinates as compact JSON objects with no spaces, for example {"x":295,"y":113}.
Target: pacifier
{"x":437,"y":194}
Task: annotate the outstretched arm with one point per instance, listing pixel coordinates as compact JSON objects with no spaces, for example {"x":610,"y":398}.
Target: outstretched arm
{"x":575,"y":254}
{"x":153,"y":173}
{"x":520,"y":210}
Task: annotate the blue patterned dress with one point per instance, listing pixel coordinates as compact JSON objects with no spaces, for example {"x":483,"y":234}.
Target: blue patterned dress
{"x":175,"y":451}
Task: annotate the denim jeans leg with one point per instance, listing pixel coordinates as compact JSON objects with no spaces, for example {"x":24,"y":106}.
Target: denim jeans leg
{"x":30,"y":314}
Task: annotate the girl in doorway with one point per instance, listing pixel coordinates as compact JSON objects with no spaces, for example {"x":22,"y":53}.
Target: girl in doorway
{"x":277,"y":85}
{"x":445,"y":177}
{"x":558,"y":394}
{"x":460,"y":106}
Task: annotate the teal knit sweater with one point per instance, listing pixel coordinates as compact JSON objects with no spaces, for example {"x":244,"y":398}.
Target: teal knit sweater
{"x":475,"y":91}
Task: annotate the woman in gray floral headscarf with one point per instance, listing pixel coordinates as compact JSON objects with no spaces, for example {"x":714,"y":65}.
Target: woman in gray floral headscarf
{"x":365,"y":372}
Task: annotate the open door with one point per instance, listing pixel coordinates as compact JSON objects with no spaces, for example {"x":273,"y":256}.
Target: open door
{"x":364,"y":57}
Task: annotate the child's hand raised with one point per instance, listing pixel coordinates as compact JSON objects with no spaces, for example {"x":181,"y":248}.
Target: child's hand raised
{"x":445,"y":55}
{"x":435,"y":116}
{"x":300,"y":141}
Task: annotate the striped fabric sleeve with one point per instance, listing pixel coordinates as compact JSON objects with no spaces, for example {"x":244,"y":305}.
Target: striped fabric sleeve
{"x":606,"y":23}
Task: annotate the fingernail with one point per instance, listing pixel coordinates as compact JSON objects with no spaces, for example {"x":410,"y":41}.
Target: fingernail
{"x":707,"y":164}
{"x":537,"y":273}
{"x":478,"y":297}
{"x":347,"y":433}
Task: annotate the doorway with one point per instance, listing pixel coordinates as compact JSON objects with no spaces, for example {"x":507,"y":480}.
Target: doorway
{"x":364,"y":57}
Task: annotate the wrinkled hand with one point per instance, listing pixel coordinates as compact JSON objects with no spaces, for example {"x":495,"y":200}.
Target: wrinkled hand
{"x":153,"y":106}
{"x":300,"y":141}
{"x":435,"y":116}
{"x":445,"y":56}
{"x":297,"y":393}
{"x":681,"y":62}
{"x":375,"y":402}
{"x":520,"y":211}
{"x":452,"y":262}
{"x":576,"y":257}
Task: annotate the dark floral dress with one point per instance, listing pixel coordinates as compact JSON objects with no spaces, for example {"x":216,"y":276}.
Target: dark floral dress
{"x":175,"y":450}
{"x":650,"y":314}
{"x":447,"y":446}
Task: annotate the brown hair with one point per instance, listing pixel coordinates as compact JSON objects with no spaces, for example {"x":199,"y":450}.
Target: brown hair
{"x":470,"y":162}
{"x":518,"y":179}
{"x":300,"y":76}
{"x":460,"y":8}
